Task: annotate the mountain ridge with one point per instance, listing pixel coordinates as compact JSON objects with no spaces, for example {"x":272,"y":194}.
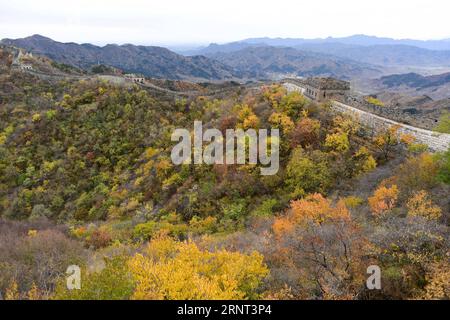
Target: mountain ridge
{"x":159,"y":62}
{"x":435,"y":86}
{"x":152,"y":61}
{"x":358,"y":39}
{"x":275,"y":62}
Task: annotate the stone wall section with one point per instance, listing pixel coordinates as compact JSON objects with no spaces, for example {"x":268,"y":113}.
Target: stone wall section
{"x":437,"y":142}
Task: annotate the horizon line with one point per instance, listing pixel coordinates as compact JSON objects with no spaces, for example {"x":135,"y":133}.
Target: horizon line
{"x":181,"y":44}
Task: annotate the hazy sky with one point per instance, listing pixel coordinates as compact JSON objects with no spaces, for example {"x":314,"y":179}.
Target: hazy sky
{"x":173,"y":22}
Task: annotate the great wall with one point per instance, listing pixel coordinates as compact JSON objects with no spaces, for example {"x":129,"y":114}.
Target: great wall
{"x":436,"y":142}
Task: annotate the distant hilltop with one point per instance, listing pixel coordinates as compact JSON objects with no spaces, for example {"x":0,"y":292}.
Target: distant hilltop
{"x":355,"y":40}
{"x":353,"y":58}
{"x":151,"y":61}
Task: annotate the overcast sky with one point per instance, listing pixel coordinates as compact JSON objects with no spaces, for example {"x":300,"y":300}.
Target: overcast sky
{"x":174,"y":22}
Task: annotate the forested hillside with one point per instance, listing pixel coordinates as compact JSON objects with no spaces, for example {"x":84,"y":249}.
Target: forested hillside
{"x":86,"y":178}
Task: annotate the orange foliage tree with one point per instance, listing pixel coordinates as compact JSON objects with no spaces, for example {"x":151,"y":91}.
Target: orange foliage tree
{"x":314,"y":208}
{"x":320,"y":243}
{"x":383,"y":199}
{"x":305,"y":133}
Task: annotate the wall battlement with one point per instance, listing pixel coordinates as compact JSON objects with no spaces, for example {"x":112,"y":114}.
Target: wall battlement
{"x":437,"y":142}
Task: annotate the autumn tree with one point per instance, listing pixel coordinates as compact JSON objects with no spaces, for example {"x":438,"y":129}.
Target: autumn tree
{"x":418,"y":173}
{"x":438,"y":282}
{"x":337,"y":142}
{"x":247,"y":118}
{"x":323,"y":246}
{"x":383,"y":199}
{"x":308,"y":172}
{"x":306,"y":133}
{"x":363,"y":161}
{"x":408,"y":250}
{"x":345,"y":124}
{"x":281,"y":121}
{"x":110,"y":281}
{"x":387,"y":140}
{"x":421,"y":205}
{"x":292,"y":104}
{"x":274,"y":94}
{"x":40,"y":252}
{"x":175,"y":270}
{"x":12,"y":292}
{"x":313,"y":208}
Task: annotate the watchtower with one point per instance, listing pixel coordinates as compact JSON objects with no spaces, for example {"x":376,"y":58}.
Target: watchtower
{"x":321,"y":89}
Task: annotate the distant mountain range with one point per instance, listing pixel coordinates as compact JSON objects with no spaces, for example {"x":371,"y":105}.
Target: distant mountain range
{"x":370,"y":50}
{"x":263,"y":62}
{"x":414,"y":80}
{"x":384,"y":55}
{"x":435,"y":86}
{"x":356,"y":40}
{"x":277,"y":62}
{"x":352,"y":58}
{"x":151,"y":61}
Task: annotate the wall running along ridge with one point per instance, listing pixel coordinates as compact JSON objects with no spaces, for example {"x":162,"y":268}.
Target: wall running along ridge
{"x":437,"y":142}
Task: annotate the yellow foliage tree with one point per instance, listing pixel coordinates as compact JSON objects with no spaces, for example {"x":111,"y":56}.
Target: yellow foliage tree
{"x":421,"y":205}
{"x":418,"y":173}
{"x":345,"y":124}
{"x":338,"y":142}
{"x":438,"y":278}
{"x":178,"y":271}
{"x":386,"y":140}
{"x":374,"y":101}
{"x":274,"y":94}
{"x":33,"y":293}
{"x":323,"y":245}
{"x":364,"y":161}
{"x":282,"y":121}
{"x":12,"y":292}
{"x":292,"y":104}
{"x":247,"y":118}
{"x":36,"y":117}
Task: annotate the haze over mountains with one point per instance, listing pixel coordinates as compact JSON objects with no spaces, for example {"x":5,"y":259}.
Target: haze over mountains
{"x":370,"y":50}
{"x":357,"y":40}
{"x":278,"y":62}
{"x":151,"y":61}
{"x":435,"y":86}
{"x":352,"y":58}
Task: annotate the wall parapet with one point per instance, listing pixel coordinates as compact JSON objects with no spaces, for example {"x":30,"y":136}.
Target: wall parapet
{"x":437,"y":142}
